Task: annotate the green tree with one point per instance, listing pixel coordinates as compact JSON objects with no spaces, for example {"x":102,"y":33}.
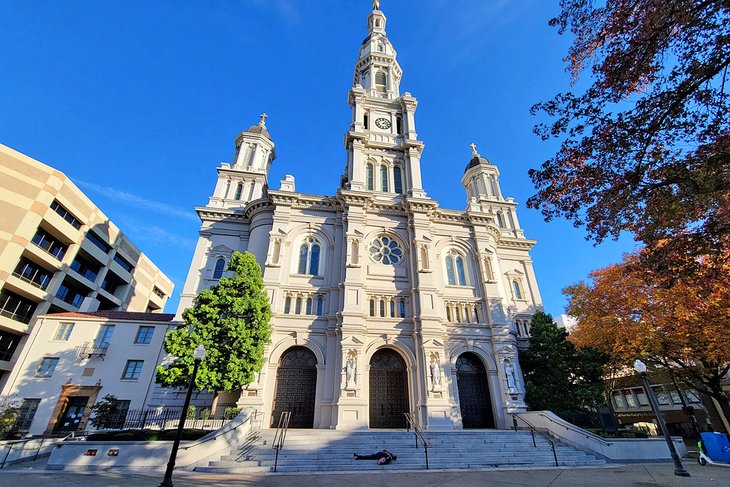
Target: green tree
{"x":231,"y":320}
{"x":558,"y":377}
{"x":104,"y":412}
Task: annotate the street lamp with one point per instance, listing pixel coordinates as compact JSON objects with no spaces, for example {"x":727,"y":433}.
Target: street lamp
{"x":198,"y":356}
{"x":679,"y":470}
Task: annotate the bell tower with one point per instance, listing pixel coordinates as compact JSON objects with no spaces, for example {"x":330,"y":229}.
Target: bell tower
{"x":384,"y":153}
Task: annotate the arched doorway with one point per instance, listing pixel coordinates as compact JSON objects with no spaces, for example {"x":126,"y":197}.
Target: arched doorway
{"x":296,"y":385}
{"x":474,"y":397}
{"x":388,"y":390}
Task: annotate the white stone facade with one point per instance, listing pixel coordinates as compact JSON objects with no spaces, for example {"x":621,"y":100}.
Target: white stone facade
{"x":378,"y":266}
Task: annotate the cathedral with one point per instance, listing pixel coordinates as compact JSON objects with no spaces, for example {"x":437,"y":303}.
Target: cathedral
{"x":383,"y":302}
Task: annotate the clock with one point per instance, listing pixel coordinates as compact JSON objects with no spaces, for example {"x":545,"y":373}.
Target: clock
{"x":383,"y":123}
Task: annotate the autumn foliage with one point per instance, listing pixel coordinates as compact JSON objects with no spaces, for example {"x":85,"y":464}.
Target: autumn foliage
{"x":629,"y":313}
{"x":645,"y":146}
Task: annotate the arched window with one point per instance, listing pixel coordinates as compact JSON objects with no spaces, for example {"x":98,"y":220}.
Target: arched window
{"x":384,"y":178}
{"x":220,"y":266}
{"x":517,"y":289}
{"x":372,"y":306}
{"x":402,"y":308}
{"x":397,"y":180}
{"x":458,"y":313}
{"x":382,"y":308}
{"x":239,"y":191}
{"x":455,"y":271}
{"x":298,"y":308}
{"x":370,"y":177}
{"x":287,"y":305}
{"x":448,"y":313}
{"x":399,"y":125}
{"x":392,"y":308}
{"x":476,"y":315}
{"x":380,"y":81}
{"x":366,"y":121}
{"x":381,"y":48}
{"x":309,"y":257}
{"x":309,"y":306}
{"x":493,"y":184}
{"x":385,"y":250}
{"x":320,"y":306}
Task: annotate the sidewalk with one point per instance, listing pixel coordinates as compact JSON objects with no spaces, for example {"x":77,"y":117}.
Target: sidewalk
{"x":623,"y":476}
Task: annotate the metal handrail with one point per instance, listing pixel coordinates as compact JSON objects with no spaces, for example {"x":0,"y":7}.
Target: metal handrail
{"x":280,"y":435}
{"x":418,"y":433}
{"x":10,"y":444}
{"x":573,"y":428}
{"x":217,"y":433}
{"x":533,"y":429}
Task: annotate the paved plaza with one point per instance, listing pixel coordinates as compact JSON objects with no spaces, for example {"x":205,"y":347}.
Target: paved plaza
{"x":614,"y":476}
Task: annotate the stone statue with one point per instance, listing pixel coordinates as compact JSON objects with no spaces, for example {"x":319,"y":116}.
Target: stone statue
{"x":350,"y":372}
{"x":509,"y":373}
{"x":435,"y":372}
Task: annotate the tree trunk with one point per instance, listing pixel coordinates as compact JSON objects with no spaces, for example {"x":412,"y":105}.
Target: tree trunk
{"x":723,"y":409}
{"x":214,"y":405}
{"x":712,"y":414}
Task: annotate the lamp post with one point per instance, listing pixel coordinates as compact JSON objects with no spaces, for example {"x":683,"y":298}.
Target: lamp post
{"x":198,"y":356}
{"x":679,"y":470}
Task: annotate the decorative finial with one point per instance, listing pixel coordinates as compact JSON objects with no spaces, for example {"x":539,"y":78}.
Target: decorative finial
{"x":474,"y":149}
{"x":262,"y":123}
{"x":376,"y":4}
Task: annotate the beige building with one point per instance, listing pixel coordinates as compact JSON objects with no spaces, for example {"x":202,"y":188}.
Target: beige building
{"x":60,"y":253}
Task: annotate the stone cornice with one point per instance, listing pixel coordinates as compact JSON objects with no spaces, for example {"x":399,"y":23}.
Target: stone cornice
{"x":218,"y":214}
{"x":516,"y":243}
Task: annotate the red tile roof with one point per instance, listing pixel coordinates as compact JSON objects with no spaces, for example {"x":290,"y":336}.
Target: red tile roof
{"x":117,"y":315}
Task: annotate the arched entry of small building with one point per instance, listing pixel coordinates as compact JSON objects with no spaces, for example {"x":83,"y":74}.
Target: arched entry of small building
{"x":474,"y":397}
{"x":388,"y":390}
{"x":296,"y":385}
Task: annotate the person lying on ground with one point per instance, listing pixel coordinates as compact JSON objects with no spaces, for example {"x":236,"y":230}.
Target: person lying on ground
{"x":383,"y":457}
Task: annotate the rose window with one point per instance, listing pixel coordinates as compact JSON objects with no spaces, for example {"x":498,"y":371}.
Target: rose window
{"x":385,"y":250}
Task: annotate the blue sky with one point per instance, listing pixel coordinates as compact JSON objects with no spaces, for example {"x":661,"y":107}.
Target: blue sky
{"x":138,"y":102}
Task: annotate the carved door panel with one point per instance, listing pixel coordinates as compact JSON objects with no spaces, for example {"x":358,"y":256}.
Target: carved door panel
{"x":474,"y":397}
{"x":296,"y":386}
{"x":72,"y":414}
{"x":388,"y":390}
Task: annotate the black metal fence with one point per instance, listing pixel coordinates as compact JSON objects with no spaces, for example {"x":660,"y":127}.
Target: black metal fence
{"x":168,"y":418}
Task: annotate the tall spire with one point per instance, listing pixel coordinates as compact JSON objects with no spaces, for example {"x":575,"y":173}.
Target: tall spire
{"x":377,"y":69}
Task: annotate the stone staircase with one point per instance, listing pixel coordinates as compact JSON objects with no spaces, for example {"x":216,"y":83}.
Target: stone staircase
{"x":331,"y":450}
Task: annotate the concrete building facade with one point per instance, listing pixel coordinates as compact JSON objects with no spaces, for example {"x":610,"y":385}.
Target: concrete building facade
{"x":383,"y":302}
{"x":60,"y":253}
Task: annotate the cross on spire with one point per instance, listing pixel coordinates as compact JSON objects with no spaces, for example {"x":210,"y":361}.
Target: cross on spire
{"x":473,"y":149}
{"x":376,"y":4}
{"x":263,"y":116}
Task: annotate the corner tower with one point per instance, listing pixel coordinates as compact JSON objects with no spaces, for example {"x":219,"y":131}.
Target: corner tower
{"x":384,"y":153}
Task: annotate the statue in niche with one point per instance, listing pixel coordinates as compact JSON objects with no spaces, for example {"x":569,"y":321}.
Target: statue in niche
{"x":435,"y":371}
{"x":350,"y":371}
{"x":509,"y":373}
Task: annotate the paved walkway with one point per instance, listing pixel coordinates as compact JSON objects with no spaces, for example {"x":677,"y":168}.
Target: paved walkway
{"x":622,"y":476}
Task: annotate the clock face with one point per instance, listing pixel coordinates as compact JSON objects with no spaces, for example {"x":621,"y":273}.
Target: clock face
{"x":383,"y":123}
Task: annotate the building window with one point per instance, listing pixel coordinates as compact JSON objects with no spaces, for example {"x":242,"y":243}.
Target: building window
{"x":310,"y":302}
{"x":16,"y":307}
{"x":287,"y":305}
{"x":382,"y":308}
{"x":8,"y":343}
{"x":402,"y":308}
{"x":49,"y":243}
{"x":618,"y":400}
{"x":455,"y":271}
{"x":385,"y":250}
{"x":64,"y":332}
{"x":85,"y":268}
{"x":298,"y":306}
{"x":120,"y":416}
{"x":399,"y":125}
{"x":104,"y":336}
{"x":26,"y":413}
{"x":372,"y":307}
{"x":239,"y":191}
{"x":220,"y":266}
{"x":500,"y":220}
{"x":517,"y":289}
{"x":392,"y":308}
{"x":641,"y":396}
{"x":65,"y":214}
{"x":309,"y":257}
{"x":111,"y":282}
{"x":397,"y":180}
{"x":384,"y":178}
{"x":33,"y":273}
{"x":370,"y":177}
{"x":68,"y":293}
{"x":47,"y":366}
{"x":630,"y":399}
{"x":380,"y":81}
{"x":124,"y":263}
{"x":144,"y":335}
{"x":320,"y":306}
{"x":98,"y":241}
{"x":366,"y":118}
{"x":158,"y":292}
{"x":448,"y":314}
{"x":132,"y":369}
